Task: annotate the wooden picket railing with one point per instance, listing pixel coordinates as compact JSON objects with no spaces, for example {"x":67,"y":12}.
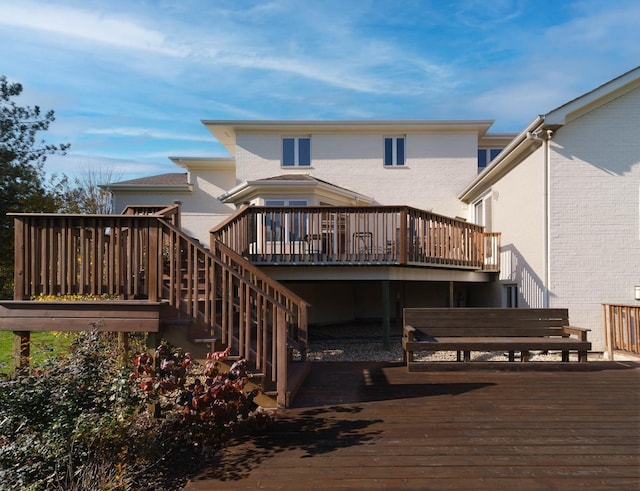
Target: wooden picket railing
{"x":622,"y":328}
{"x":144,"y":255}
{"x":393,"y":235}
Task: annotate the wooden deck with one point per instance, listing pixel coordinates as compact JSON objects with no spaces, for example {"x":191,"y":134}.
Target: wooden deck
{"x":366,"y":426}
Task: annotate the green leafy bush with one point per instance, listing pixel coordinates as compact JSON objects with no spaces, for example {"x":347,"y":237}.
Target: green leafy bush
{"x":80,"y":422}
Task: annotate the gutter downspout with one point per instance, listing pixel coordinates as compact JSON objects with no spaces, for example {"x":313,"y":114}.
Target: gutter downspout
{"x":546,"y":156}
{"x":547,"y":216}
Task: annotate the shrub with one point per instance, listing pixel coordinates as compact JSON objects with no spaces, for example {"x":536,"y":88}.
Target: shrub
{"x":74,"y":410}
{"x":80,"y":421}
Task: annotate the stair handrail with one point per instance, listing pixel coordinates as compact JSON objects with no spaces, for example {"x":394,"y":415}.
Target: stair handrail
{"x":246,"y":264}
{"x":289,"y":311}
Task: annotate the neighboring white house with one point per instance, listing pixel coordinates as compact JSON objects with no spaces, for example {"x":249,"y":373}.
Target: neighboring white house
{"x":197,"y":190}
{"x":564,"y":194}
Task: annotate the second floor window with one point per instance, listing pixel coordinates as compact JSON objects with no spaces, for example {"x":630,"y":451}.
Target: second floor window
{"x":393,"y":150}
{"x":296,"y":151}
{"x":486,"y":155}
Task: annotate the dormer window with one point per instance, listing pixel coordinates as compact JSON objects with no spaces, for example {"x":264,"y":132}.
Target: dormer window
{"x":296,"y":151}
{"x":393,"y":151}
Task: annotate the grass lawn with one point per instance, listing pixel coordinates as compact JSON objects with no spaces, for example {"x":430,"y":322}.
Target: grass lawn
{"x":43,"y":346}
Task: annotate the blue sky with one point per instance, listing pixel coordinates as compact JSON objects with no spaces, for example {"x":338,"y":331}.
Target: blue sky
{"x":130,"y":80}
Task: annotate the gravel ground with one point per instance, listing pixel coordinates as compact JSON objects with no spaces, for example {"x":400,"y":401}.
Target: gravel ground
{"x":365,"y":343}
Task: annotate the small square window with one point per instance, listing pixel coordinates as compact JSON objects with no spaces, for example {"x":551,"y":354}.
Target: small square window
{"x":296,"y":151}
{"x":394,"y":151}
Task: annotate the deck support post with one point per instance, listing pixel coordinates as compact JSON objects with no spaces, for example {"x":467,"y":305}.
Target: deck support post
{"x":18,"y":273}
{"x":21,"y":348}
{"x":153,"y":407}
{"x":123,"y":346}
{"x":451,"y":294}
{"x":386,"y":315}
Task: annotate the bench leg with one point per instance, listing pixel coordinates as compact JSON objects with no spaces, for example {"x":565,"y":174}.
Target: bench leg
{"x":407,"y":356}
{"x":525,"y":355}
{"x":458,"y":355}
{"x":582,"y":356}
{"x":565,"y":357}
{"x":467,"y":356}
{"x":512,"y":356}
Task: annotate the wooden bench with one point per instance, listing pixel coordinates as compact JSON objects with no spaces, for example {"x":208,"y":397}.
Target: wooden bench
{"x":491,"y":329}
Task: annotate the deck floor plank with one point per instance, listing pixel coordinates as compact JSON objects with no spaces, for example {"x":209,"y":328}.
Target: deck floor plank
{"x":369,"y":426}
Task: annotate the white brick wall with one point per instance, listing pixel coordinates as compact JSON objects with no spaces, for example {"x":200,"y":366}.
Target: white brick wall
{"x":595,"y":247}
{"x":438,"y":166}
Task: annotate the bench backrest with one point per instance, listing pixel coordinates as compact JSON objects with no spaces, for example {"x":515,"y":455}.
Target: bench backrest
{"x":467,"y":321}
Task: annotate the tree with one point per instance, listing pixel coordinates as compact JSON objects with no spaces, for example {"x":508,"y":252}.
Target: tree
{"x":83,"y":194}
{"x":22,"y":156}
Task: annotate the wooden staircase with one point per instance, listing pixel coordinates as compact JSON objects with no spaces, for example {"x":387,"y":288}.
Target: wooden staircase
{"x":229,"y":303}
{"x":207,"y":298}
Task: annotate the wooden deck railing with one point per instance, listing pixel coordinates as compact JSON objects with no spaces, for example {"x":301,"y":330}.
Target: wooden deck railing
{"x":622,"y":328}
{"x":358,"y":235}
{"x":142,"y":255}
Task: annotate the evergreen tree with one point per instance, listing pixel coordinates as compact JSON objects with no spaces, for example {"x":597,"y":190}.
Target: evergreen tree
{"x":22,"y":156}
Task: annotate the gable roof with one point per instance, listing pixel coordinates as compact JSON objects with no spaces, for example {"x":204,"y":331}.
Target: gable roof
{"x":173,"y":182}
{"x":288,"y":183}
{"x":528,"y":139}
{"x":594,"y":98}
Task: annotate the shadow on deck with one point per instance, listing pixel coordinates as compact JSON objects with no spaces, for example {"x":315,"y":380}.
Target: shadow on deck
{"x":371,"y":425}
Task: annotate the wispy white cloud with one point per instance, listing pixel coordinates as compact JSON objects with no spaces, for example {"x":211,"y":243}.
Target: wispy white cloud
{"x":77,"y":164}
{"x":480,"y":14}
{"x":131,"y":79}
{"x":231,"y":111}
{"x":97,"y":27}
{"x":146,"y":133}
{"x":349,"y":58}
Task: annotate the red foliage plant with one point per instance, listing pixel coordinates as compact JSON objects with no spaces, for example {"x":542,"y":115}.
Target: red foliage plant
{"x":202,"y":393}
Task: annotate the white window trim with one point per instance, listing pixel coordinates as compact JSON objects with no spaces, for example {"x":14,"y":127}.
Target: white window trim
{"x":485,"y":220}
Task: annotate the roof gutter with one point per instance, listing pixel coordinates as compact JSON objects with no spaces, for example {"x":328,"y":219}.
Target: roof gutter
{"x":177,"y":188}
{"x":502,"y":160}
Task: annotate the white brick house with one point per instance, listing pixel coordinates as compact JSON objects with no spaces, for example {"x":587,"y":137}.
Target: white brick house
{"x":564,"y":194}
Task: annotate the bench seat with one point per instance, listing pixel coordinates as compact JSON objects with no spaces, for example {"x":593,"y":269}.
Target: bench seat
{"x":464,"y":330}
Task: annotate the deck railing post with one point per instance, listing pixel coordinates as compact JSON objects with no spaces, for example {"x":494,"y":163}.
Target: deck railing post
{"x":608,"y":329}
{"x":403,"y":236}
{"x":154,"y":256}
{"x":19,"y":266}
{"x":281,"y":357}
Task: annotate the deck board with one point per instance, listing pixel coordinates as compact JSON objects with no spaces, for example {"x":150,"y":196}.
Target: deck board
{"x":366,"y":426}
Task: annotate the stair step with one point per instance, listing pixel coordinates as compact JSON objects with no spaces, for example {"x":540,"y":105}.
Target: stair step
{"x":205,"y":340}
